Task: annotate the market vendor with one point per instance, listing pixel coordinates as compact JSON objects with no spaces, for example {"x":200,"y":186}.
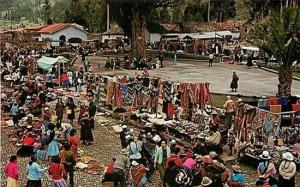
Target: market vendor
{"x":230,"y":109}
{"x":27,"y":146}
{"x":213,"y":140}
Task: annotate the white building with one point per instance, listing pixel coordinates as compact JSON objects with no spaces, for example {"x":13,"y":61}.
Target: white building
{"x":62,"y":32}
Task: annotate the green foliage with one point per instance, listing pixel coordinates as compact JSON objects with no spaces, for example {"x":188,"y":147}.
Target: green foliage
{"x":89,"y":13}
{"x":165,"y":16}
{"x":280,"y":36}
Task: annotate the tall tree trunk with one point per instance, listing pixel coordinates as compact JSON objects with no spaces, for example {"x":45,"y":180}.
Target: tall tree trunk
{"x":285,"y":77}
{"x":208,"y":11}
{"x":286,"y":3}
{"x":138,"y":33}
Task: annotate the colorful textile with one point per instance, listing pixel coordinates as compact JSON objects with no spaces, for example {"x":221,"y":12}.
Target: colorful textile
{"x":275,"y":108}
{"x":57,"y":171}
{"x":128,"y":92}
{"x":259,"y":118}
{"x":59,"y":183}
{"x":170,"y":111}
{"x":296,"y":107}
{"x":110,"y":89}
{"x":267,"y":125}
{"x":117,"y":96}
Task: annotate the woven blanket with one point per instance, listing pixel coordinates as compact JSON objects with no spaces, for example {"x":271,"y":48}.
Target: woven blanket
{"x":128,"y":93}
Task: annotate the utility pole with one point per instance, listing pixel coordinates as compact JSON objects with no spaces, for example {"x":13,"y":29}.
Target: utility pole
{"x":208,"y":11}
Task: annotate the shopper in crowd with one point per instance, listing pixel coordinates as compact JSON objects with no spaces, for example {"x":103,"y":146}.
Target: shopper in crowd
{"x":234,"y":82}
{"x":74,"y":142}
{"x":12,"y":172}
{"x":70,"y":105}
{"x":121,"y":167}
{"x":86,"y":134}
{"x":266,"y":170}
{"x":163,"y":152}
{"x":68,"y":160}
{"x":237,"y":179}
{"x":58,"y":173}
{"x":34,"y":173}
{"x":138,"y":172}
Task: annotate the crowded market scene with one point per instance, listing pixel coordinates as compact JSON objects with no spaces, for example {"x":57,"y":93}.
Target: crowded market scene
{"x":127,"y":102}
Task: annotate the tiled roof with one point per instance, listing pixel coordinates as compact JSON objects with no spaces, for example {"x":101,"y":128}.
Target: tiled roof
{"x":54,"y":28}
{"x":169,"y":27}
{"x":114,"y":29}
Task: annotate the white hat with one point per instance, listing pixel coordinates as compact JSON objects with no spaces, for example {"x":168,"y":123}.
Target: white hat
{"x":156,"y":138}
{"x":265,"y":155}
{"x":288,"y":156}
{"x":236,"y":168}
{"x":206,"y":181}
{"x":240,"y":100}
{"x":173,"y":142}
{"x":131,"y":131}
{"x":124,"y":127}
{"x":134,"y":163}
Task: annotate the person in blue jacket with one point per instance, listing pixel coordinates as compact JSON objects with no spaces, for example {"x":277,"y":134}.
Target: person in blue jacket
{"x":34,"y":173}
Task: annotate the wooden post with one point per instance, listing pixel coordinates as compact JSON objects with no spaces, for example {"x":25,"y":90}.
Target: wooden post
{"x":158,"y":91}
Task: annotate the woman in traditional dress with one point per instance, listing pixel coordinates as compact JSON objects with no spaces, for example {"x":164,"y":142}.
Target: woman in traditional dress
{"x":74,"y":142}
{"x":53,"y":149}
{"x":83,"y":109}
{"x":59,"y":109}
{"x":86,"y":134}
{"x":12,"y":172}
{"x":58,"y":174}
{"x":234,"y":82}
{"x":27,"y":146}
{"x":71,"y":109}
{"x":287,"y":171}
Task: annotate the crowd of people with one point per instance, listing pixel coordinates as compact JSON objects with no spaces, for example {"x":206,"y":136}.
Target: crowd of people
{"x":43,"y":118}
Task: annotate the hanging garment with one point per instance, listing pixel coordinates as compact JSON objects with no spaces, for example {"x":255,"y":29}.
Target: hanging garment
{"x":167,"y":89}
{"x":267,"y":125}
{"x":117,"y":96}
{"x":128,"y":94}
{"x":296,"y":107}
{"x":110,"y":89}
{"x":275,"y":108}
{"x":170,"y":111}
{"x":259,"y":118}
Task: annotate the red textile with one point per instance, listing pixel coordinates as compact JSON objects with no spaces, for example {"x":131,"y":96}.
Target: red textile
{"x":296,"y":107}
{"x":28,"y":141}
{"x":110,"y":88}
{"x":273,"y":101}
{"x":64,"y":77}
{"x":117,"y":96}
{"x":170,"y":111}
{"x":57,"y":171}
{"x":176,"y":159}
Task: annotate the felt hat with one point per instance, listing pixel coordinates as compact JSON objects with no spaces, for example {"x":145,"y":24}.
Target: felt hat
{"x":124,"y":152}
{"x":173,"y":142}
{"x":288,"y":156}
{"x":206,"y":181}
{"x":124,"y":127}
{"x":236,"y":168}
{"x":198,"y":158}
{"x":214,"y":112}
{"x":265,"y":155}
{"x":128,"y":137}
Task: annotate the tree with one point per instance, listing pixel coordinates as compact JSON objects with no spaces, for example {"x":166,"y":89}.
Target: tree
{"x":47,"y":8}
{"x":132,"y":16}
{"x":280,"y":37}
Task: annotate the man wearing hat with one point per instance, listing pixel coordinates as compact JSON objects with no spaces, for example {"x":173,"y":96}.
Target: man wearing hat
{"x":121,"y":167}
{"x":266,"y":169}
{"x":287,"y":171}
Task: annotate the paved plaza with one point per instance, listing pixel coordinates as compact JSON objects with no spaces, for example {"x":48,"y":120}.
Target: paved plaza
{"x":253,"y":82}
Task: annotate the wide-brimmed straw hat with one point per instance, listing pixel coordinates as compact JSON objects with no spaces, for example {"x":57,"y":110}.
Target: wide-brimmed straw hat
{"x":265,"y":155}
{"x":288,"y":156}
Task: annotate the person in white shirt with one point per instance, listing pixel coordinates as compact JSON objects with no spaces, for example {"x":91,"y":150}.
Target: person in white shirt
{"x":211,"y":58}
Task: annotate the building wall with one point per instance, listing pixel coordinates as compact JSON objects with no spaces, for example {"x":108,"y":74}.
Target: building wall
{"x":111,"y":37}
{"x":68,"y":32}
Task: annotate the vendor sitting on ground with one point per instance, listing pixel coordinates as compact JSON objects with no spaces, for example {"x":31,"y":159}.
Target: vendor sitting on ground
{"x":213,"y":140}
{"x":27,"y":146}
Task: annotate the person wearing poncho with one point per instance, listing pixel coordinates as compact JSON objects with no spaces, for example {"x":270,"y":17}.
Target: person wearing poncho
{"x":138,"y":172}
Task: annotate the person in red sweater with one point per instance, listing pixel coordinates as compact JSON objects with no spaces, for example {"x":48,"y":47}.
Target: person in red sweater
{"x":108,"y":177}
{"x":12,"y":172}
{"x":58,"y":173}
{"x":175,"y":157}
{"x":27,"y":146}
